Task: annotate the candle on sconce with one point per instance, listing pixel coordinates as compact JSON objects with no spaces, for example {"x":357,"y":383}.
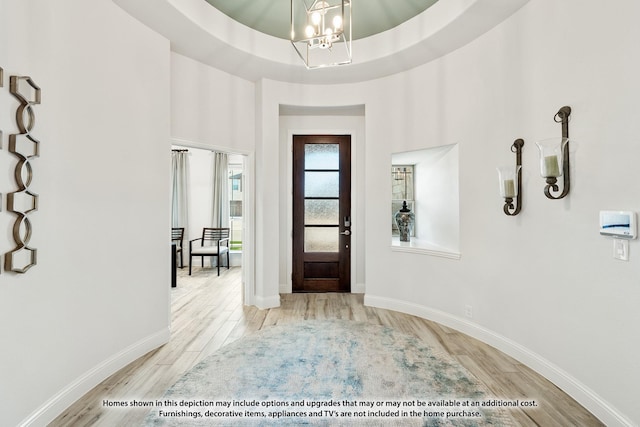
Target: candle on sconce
{"x":550,"y":167}
{"x":507,"y":176}
{"x":509,"y":188}
{"x":510,"y":180}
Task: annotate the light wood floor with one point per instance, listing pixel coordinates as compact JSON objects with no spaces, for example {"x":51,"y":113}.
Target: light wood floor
{"x":208,"y":313}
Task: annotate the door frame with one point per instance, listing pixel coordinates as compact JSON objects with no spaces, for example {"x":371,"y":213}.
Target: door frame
{"x":248,"y":213}
{"x":287,"y":287}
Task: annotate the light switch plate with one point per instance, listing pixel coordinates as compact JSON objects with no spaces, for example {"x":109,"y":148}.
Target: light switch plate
{"x":621,"y":249}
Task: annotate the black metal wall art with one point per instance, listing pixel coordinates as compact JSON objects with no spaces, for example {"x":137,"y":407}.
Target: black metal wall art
{"x":511,"y":181}
{"x":554,"y":158}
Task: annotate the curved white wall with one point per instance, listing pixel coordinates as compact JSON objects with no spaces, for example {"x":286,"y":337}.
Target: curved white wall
{"x":98,"y":297}
{"x":210,"y":107}
{"x":543,"y":285}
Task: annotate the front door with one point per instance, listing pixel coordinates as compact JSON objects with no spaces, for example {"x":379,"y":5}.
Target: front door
{"x":321,"y":213}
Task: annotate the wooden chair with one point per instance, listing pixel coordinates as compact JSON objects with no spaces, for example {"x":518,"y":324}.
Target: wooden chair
{"x":213,"y":243}
{"x":177,"y":235}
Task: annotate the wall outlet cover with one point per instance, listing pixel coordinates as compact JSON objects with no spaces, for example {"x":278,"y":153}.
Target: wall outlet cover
{"x":468,"y":311}
{"x":621,"y":249}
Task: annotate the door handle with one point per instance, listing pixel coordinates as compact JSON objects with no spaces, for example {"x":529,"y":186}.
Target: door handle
{"x":346,"y":233}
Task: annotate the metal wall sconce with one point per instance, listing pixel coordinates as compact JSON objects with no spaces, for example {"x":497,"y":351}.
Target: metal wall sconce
{"x":510,"y":179}
{"x":554,"y":157}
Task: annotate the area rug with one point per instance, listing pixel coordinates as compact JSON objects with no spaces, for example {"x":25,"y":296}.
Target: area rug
{"x":327,"y":373}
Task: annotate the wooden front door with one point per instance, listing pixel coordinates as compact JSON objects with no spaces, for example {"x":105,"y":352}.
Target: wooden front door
{"x":321,"y":213}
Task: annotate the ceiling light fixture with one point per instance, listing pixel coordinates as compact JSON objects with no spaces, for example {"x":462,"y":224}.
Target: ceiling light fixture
{"x":321,"y":32}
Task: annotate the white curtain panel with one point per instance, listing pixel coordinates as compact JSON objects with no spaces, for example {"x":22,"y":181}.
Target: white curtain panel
{"x":220,"y":216}
{"x":180,"y":189}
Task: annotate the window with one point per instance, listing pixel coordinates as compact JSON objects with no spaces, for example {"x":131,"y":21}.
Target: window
{"x":235,"y":205}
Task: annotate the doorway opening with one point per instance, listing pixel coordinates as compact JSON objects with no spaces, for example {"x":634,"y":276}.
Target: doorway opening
{"x":216,"y":189}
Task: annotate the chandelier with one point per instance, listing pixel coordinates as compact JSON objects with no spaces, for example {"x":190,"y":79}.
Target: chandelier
{"x":321,"y":32}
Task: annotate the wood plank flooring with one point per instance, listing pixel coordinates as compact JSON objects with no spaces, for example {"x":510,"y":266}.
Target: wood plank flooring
{"x":207,"y":313}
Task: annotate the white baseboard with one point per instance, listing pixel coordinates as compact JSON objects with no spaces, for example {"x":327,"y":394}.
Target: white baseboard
{"x":606,"y":412}
{"x":267,"y":302}
{"x":78,"y":388}
{"x":285,"y":288}
{"x":358,"y":288}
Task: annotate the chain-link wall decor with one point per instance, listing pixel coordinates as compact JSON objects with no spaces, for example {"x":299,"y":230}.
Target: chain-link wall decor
{"x":23,"y":201}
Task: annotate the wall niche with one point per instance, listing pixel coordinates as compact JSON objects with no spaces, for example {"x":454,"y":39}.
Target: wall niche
{"x":435,"y":201}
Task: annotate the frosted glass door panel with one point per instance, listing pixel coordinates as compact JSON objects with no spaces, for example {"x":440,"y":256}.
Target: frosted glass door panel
{"x":321,"y":156}
{"x":321,"y":184}
{"x":322,"y":212}
{"x":321,"y":239}
{"x":321,"y":201}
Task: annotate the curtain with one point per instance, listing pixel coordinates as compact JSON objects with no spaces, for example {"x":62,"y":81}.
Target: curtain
{"x":180,"y":188}
{"x":220,"y":217}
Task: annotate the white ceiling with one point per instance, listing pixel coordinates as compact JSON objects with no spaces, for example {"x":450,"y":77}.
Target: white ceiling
{"x":197,"y":30}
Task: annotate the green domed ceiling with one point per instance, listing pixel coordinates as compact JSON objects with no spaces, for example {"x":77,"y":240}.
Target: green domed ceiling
{"x":369,"y":16}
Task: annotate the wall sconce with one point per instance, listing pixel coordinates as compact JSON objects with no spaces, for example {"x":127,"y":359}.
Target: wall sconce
{"x":510,"y":179}
{"x":554,"y":157}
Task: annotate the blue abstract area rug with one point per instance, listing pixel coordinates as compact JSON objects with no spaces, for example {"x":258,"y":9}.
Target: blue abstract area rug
{"x":327,"y":373}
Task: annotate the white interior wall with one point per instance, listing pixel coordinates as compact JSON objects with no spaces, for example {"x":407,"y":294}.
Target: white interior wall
{"x":87,"y":308}
{"x":211,"y":108}
{"x":543,"y":286}
{"x":438,"y":197}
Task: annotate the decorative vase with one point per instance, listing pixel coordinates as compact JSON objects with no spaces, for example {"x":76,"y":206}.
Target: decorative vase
{"x":405,"y":220}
